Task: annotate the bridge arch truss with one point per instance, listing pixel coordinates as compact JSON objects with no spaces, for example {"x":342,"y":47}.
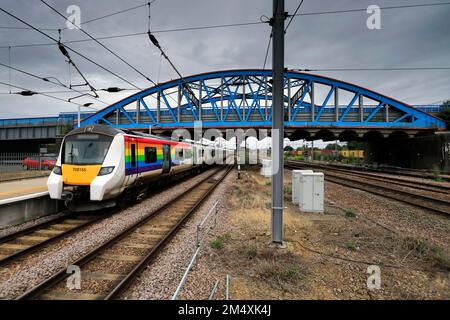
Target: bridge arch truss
{"x":243,"y":99}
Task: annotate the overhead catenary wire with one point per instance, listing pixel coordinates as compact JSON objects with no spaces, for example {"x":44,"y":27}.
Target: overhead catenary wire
{"x":183,"y":81}
{"x":381,"y":7}
{"x":73,"y":50}
{"x":142,"y":33}
{"x":84,"y":22}
{"x":372,"y":69}
{"x":267,"y":50}
{"x":101,"y":44}
{"x":66,"y":91}
{"x":48,"y":79}
{"x":71,"y":62}
{"x":31,"y":92}
{"x":293,"y":16}
{"x":209,"y":26}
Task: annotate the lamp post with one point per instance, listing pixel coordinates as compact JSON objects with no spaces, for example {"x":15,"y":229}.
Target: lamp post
{"x":86,"y":105}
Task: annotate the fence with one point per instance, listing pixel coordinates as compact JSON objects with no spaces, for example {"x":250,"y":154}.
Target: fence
{"x":203,"y":228}
{"x":24,"y":165}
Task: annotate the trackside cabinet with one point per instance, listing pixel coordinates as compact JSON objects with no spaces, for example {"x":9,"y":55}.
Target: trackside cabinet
{"x":266,"y":169}
{"x":296,"y":174}
{"x":311,"y":192}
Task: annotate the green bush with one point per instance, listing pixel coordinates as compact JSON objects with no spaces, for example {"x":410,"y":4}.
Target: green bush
{"x":216,"y":244}
{"x":350,"y":246}
{"x":350,"y":213}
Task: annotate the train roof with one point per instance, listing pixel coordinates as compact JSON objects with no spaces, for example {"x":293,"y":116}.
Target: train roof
{"x":111,"y":131}
{"x":96,"y":128}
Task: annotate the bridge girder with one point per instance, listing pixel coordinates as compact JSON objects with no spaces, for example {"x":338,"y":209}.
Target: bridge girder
{"x":242,"y":99}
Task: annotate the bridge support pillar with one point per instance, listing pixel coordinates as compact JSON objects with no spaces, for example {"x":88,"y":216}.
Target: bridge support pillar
{"x":427,"y":152}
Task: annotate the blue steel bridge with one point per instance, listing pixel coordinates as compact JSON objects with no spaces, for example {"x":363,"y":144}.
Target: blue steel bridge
{"x":315,"y":107}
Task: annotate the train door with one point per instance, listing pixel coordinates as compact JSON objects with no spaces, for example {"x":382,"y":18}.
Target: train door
{"x":166,"y":158}
{"x":132,"y":159}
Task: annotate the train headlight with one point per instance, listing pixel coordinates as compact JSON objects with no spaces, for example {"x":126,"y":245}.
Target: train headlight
{"x":105,"y":170}
{"x":57,"y":170}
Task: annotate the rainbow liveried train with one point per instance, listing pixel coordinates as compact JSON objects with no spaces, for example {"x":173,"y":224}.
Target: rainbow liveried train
{"x":99,"y":166}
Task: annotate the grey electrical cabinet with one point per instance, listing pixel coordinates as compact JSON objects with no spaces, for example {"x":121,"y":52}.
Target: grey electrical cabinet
{"x":312,"y":192}
{"x":296,"y":174}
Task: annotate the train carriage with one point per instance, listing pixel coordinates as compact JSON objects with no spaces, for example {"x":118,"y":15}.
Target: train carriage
{"x":99,"y":165}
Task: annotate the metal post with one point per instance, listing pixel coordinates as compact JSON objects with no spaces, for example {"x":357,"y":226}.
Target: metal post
{"x":179,"y":103}
{"x":221,"y":99}
{"x":158,"y":107}
{"x":361,"y":108}
{"x":277,"y":120}
{"x":79,"y":116}
{"x":336,"y":104}
{"x":266,"y":99}
{"x":200,"y":92}
{"x":138,"y":111}
{"x":289,"y":97}
{"x":227,"y":287}
{"x":311,"y":94}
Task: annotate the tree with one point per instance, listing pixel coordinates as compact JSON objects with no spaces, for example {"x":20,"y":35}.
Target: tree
{"x":445,"y":113}
{"x":355,"y":145}
{"x":288,"y":148}
{"x":332,"y":146}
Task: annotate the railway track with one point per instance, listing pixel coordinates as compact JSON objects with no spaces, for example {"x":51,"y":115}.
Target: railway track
{"x":387,"y":189}
{"x":393,"y":171}
{"x":20,"y":243}
{"x":433,"y":187}
{"x":109,"y":269}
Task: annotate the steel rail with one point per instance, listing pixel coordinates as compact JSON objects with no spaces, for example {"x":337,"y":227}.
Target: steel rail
{"x":378,"y":177}
{"x":386,"y":192}
{"x":393,"y":170}
{"x":35,"y":227}
{"x":61,"y":275}
{"x":71,"y":215}
{"x":34,"y":247}
{"x":124,"y":284}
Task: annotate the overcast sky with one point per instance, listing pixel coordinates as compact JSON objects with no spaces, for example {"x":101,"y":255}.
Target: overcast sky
{"x":414,"y":37}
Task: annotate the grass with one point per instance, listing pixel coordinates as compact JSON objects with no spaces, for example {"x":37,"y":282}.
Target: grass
{"x":349,"y":213}
{"x":219,"y":242}
{"x":288,"y":189}
{"x":225,"y":237}
{"x":350,"y":246}
{"x":292,"y":273}
{"x":295,"y":158}
{"x":252,"y":253}
{"x":277,"y":269}
{"x":216,"y":244}
{"x":437,"y":176}
{"x":427,"y":251}
{"x":268,"y":183}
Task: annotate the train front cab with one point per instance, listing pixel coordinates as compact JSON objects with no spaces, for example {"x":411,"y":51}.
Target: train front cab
{"x":88,"y":167}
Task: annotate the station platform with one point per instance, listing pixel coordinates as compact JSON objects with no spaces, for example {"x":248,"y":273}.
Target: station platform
{"x":20,"y":188}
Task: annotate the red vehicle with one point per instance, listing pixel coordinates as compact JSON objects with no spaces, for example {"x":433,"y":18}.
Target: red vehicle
{"x":30,"y":163}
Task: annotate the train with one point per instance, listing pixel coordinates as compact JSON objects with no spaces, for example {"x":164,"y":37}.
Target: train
{"x":100,"y":166}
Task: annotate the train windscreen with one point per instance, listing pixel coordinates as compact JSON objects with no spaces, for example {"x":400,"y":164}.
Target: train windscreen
{"x":84,"y":149}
